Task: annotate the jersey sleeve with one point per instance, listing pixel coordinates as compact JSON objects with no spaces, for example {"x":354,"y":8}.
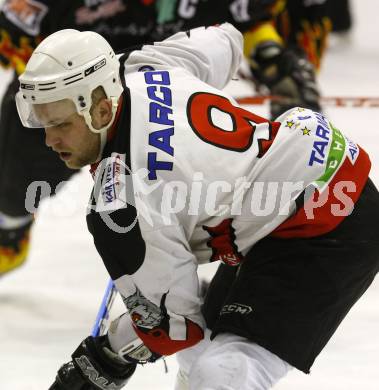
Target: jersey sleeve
{"x":162,"y":297}
{"x":212,"y":54}
{"x":153,"y":268}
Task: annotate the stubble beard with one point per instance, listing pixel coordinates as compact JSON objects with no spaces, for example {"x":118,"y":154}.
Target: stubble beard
{"x":81,"y":160}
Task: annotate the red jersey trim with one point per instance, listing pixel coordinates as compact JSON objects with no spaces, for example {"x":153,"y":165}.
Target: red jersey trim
{"x":324,"y":221}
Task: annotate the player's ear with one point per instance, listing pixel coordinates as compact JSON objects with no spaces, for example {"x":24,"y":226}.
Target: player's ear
{"x":101,"y":113}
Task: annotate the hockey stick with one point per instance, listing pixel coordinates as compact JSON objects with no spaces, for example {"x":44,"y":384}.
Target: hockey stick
{"x":366,"y":102}
{"x":100,"y":324}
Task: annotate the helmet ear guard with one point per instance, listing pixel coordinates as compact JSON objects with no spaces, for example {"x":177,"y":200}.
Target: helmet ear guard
{"x":69,"y":64}
{"x":87,"y":117}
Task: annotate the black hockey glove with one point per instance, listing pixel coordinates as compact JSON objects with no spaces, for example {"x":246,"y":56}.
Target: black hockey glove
{"x":287,"y":73}
{"x":94,"y":367}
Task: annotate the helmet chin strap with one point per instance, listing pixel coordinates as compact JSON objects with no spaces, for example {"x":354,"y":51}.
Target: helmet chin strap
{"x":102,"y":131}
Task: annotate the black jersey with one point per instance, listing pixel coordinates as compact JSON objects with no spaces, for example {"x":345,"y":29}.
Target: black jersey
{"x":24,"y":24}
{"x":180,"y":15}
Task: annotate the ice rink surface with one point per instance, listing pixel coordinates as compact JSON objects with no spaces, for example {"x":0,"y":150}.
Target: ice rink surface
{"x":48,"y":306}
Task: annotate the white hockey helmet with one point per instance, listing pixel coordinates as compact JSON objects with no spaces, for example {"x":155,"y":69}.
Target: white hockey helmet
{"x":69,"y":64}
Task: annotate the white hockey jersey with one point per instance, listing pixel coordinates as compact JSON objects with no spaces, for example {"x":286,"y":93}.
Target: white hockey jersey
{"x":205,"y":180}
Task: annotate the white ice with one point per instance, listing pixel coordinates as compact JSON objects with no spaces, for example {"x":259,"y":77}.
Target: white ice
{"x":48,"y":306}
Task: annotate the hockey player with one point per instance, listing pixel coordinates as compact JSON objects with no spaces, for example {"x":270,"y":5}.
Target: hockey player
{"x":124,"y":23}
{"x":285,"y":49}
{"x":23,"y":24}
{"x":182,"y":176}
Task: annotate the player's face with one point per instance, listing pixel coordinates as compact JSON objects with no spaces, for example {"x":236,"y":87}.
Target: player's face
{"x":68,"y":134}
